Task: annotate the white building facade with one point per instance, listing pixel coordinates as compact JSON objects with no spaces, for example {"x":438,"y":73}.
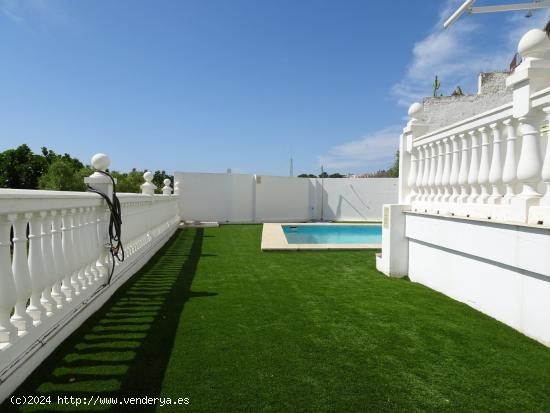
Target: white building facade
{"x":473,"y":218}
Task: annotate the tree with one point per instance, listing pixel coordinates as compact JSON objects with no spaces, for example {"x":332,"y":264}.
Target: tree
{"x":128,"y":181}
{"x":20,"y":168}
{"x":62,"y":176}
{"x":159,"y":178}
{"x":393,"y":172}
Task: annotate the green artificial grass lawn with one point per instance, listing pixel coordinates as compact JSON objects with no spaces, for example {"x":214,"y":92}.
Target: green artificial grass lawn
{"x":214,"y":319}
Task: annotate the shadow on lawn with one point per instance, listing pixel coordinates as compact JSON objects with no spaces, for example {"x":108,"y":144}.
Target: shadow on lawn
{"x":124,"y":349}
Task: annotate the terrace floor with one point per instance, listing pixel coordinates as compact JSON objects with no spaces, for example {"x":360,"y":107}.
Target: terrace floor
{"x":214,"y":319}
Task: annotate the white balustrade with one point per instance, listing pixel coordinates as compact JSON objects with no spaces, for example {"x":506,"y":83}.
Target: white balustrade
{"x":473,"y":167}
{"x":62,"y":263}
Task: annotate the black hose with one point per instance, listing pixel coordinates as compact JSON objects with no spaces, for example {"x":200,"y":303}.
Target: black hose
{"x":115,"y":225}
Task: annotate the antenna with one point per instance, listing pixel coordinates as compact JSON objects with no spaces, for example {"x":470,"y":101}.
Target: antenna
{"x":467,"y":7}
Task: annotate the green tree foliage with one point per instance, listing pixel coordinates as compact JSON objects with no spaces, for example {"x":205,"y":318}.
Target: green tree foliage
{"x":393,"y":172}
{"x":128,"y":181}
{"x":20,"y":168}
{"x":62,"y":176}
{"x":159,"y":178}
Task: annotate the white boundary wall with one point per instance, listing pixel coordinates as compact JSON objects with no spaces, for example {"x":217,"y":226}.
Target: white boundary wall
{"x":499,"y":269}
{"x":240,"y":198}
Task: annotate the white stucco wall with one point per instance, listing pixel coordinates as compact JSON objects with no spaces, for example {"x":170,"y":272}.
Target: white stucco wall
{"x":239,"y":198}
{"x":282,"y":199}
{"x":358,"y":199}
{"x":501,"y":270}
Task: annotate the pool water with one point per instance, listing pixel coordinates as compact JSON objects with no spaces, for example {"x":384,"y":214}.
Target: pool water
{"x":333,"y":234}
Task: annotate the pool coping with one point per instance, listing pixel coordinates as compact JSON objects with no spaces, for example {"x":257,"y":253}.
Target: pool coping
{"x":274,"y":239}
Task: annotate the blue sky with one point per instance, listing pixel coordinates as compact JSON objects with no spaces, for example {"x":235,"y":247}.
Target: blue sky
{"x":244,"y":84}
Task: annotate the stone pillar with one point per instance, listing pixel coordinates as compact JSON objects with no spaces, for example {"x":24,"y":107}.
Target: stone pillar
{"x":104,"y":184}
{"x":167,"y":190}
{"x":148,"y":188}
{"x":532,"y":75}
{"x":408,"y":155}
{"x":545,"y":201}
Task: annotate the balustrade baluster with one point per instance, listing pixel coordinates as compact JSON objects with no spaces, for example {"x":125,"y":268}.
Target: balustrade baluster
{"x":464,"y":164}
{"x":36,"y":269}
{"x":439,"y":171}
{"x":425,"y":177}
{"x":484,"y":166}
{"x":433,"y":168}
{"x":420,"y":173}
{"x":509,"y":173}
{"x":20,"y":268}
{"x":87,"y":246}
{"x":8,"y":332}
{"x":446,"y":174}
{"x":47,"y":261}
{"x":58,"y":259}
{"x":495,"y":173}
{"x":79,"y":251}
{"x":411,"y":182}
{"x":67,"y":252}
{"x":455,"y":166}
{"x":473,"y":172}
{"x":530,"y":164}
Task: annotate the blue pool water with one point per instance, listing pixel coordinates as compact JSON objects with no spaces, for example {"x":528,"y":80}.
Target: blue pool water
{"x":333,"y":234}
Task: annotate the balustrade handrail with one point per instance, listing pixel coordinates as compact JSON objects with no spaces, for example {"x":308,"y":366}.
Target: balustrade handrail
{"x":538,"y":99}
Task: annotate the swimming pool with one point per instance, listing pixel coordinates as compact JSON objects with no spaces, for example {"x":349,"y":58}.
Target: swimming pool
{"x":333,"y":234}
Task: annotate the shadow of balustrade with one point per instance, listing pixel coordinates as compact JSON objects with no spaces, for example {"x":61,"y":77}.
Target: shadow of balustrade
{"x":123,"y":350}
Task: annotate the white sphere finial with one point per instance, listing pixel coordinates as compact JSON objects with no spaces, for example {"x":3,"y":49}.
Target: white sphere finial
{"x":534,"y":44}
{"x":167,"y":182}
{"x":415,"y":110}
{"x":148,"y":176}
{"x":100,"y":161}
